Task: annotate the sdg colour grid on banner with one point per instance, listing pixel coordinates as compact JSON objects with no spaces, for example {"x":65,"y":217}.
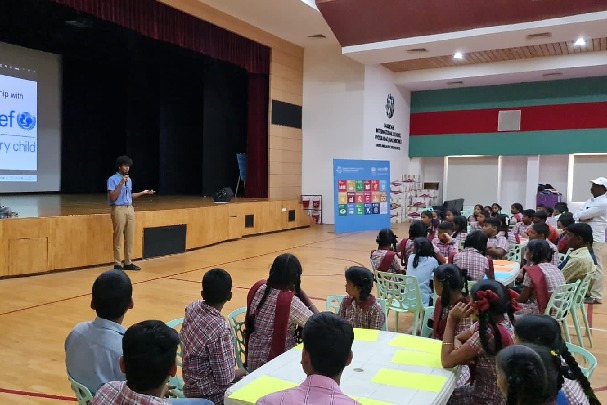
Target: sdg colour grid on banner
{"x":362,"y":195}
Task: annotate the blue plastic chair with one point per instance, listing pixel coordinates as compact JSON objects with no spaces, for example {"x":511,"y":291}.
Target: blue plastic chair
{"x":241,"y":158}
{"x":238,"y":332}
{"x":177,"y":381}
{"x":83,"y":394}
{"x":333,"y":304}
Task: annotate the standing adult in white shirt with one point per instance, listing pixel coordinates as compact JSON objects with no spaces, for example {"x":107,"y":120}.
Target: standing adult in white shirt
{"x":594,"y":213}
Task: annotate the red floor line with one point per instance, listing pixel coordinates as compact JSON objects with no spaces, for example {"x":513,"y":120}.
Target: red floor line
{"x":600,"y":389}
{"x":37,"y":394}
{"x":170,"y":275}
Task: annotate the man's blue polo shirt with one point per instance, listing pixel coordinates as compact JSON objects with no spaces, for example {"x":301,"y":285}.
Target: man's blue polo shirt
{"x":126,"y":193}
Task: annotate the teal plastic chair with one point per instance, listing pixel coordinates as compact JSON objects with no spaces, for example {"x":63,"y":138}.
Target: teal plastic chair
{"x":83,"y":394}
{"x":238,"y":332}
{"x":177,"y":381}
{"x":579,"y":306}
{"x":514,"y":253}
{"x":428,"y":315}
{"x":402,"y":295}
{"x":584,"y":358}
{"x":333,"y":304}
{"x":560,"y":305}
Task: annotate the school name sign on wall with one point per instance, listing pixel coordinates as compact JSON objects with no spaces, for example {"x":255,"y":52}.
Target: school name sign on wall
{"x":386,"y":137}
{"x":362,"y":195}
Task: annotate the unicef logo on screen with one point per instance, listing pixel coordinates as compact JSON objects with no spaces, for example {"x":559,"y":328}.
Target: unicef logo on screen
{"x":26,"y":121}
{"x":373,"y":171}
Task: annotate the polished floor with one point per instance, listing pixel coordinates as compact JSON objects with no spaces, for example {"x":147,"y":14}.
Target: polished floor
{"x":36,"y":313}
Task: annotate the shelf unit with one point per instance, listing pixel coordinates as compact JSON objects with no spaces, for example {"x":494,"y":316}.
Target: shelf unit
{"x":312,"y":204}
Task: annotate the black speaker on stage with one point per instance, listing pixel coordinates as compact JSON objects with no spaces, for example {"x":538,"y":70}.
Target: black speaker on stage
{"x":224,"y":195}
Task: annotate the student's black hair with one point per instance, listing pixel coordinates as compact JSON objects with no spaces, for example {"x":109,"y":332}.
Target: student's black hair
{"x":480,"y":206}
{"x":504,"y":220}
{"x":551,"y":361}
{"x":540,"y":206}
{"x":494,"y":221}
{"x":362,"y":278}
{"x":549,"y":210}
{"x":562,"y":207}
{"x":112,"y":294}
{"x":582,"y":230}
{"x":453,"y":281}
{"x":386,"y":237}
{"x":427,"y":214}
{"x":541,"y":215}
{"x":499,"y":207}
{"x":545,"y":331}
{"x":460,"y":224}
{"x":216,"y":285}
{"x":525,"y":375}
{"x":540,"y":251}
{"x":149,"y":349}
{"x":477,"y":240}
{"x":566,"y":219}
{"x":417,"y":229}
{"x":542,"y":229}
{"x":327,"y":338}
{"x":528,"y":213}
{"x":445,"y":226}
{"x":517,"y":206}
{"x":455,"y":213}
{"x":485,"y":213}
{"x":422,"y":247}
{"x":124,"y":161}
{"x":440,"y":213}
{"x":493,"y":314}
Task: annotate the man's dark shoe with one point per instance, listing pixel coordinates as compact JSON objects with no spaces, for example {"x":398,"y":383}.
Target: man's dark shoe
{"x":131,"y":267}
{"x":118,"y":267}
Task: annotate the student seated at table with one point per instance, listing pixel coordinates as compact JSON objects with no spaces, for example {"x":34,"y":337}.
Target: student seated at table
{"x":327,"y":350}
{"x":540,"y":278}
{"x":148,"y":361}
{"x":460,"y":229}
{"x":516,"y":210}
{"x":385,"y":257}
{"x":446,"y":245}
{"x":449,"y":282}
{"x":545,"y":331}
{"x":521,"y":376}
{"x":497,"y":245}
{"x":451,"y":214}
{"x":472,"y":259}
{"x":521,"y":228}
{"x":208,"y":348}
{"x":504,"y":230}
{"x":581,"y":260}
{"x":421,"y":265}
{"x":477,"y":209}
{"x":540,"y":217}
{"x":480,"y":221}
{"x":93,"y":349}
{"x":359,"y":307}
{"x":490,"y":302}
{"x":417,"y":229}
{"x":564,"y":221}
{"x":276,"y":312}
{"x":540,"y":232}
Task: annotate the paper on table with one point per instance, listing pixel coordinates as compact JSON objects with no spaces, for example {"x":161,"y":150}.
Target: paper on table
{"x":406,"y":379}
{"x":417,"y":343}
{"x":366,"y":335}
{"x":299,"y":346}
{"x":417,"y":358}
{"x":507,"y":269}
{"x":368,"y":401}
{"x":261,"y":387}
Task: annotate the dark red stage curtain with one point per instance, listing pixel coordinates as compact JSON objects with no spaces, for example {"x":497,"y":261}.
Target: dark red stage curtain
{"x":257,"y":137}
{"x":161,"y":22}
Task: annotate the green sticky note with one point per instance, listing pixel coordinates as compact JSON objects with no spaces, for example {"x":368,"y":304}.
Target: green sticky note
{"x":261,"y":387}
{"x":419,"y":344}
{"x":366,"y":335}
{"x":414,"y":358}
{"x":368,"y":401}
{"x":406,"y":379}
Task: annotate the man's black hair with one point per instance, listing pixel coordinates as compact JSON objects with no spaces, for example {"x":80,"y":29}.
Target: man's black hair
{"x":582,"y":230}
{"x":327,"y":339}
{"x":216,"y":285}
{"x":112,"y":294}
{"x":566,"y":219}
{"x":124,"y":161}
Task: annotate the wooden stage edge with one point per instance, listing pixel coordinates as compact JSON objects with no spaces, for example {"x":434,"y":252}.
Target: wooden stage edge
{"x":65,"y":232}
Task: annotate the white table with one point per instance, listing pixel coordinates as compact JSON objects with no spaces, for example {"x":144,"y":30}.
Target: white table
{"x":369,"y":358}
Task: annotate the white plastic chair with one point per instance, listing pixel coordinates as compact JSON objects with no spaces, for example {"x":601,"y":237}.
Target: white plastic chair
{"x":402,"y":295}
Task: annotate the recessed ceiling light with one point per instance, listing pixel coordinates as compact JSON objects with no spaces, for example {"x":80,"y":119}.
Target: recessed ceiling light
{"x":458,"y":55}
{"x":580,"y":42}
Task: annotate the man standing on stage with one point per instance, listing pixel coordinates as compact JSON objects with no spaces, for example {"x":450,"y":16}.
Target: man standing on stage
{"x":594,"y":213}
{"x":120,"y":195}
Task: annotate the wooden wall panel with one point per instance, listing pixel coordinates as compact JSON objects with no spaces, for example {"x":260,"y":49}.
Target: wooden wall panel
{"x":27,"y":256}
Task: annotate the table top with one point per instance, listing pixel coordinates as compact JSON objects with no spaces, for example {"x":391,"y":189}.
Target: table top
{"x":428,"y":382}
{"x":506,"y":271}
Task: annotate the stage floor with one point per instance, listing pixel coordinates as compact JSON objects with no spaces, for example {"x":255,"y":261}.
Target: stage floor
{"x":54,"y":205}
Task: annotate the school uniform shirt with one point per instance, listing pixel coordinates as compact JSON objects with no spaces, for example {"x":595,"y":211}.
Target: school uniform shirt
{"x":424,"y":272}
{"x":498,"y":241}
{"x":365,"y":315}
{"x":553,"y":234}
{"x":446,"y":249}
{"x":553,"y":276}
{"x":516,"y":218}
{"x":475,"y":226}
{"x":521,"y":229}
{"x":577,"y":265}
{"x":208,"y":353}
{"x":410,"y":248}
{"x":118,"y":393}
{"x":473,"y":261}
{"x":461,"y":237}
{"x":377,"y":257}
{"x":511,"y":237}
{"x":594,"y":213}
{"x":315,"y":390}
{"x":574,"y":392}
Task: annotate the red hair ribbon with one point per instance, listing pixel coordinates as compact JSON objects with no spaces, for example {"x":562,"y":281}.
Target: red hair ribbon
{"x":483,"y":300}
{"x":514,"y":300}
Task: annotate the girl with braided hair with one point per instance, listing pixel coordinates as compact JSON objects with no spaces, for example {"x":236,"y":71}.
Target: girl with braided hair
{"x":277,"y":310}
{"x":448,"y":285}
{"x":521,"y":376}
{"x":385,"y":257}
{"x":493,"y":331}
{"x":543,"y":330}
{"x":359,"y":307}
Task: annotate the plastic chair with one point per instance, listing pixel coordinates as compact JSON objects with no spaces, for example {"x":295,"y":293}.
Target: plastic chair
{"x":578,"y":305}
{"x":514,"y":253}
{"x":238,"y":331}
{"x":333,"y":304}
{"x":428,"y":315}
{"x":241,"y":158}
{"x":588,"y":359}
{"x":560,"y":304}
{"x":177,"y":381}
{"x":402,"y":295}
{"x":83,"y":394}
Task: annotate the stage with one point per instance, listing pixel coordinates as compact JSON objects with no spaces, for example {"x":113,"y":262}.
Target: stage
{"x":59,"y":232}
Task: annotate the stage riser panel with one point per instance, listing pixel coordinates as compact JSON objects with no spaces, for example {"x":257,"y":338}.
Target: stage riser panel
{"x":86,"y":240}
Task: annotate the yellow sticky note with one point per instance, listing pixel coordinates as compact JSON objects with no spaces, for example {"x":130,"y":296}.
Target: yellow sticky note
{"x":406,"y":379}
{"x":368,"y":401}
{"x":419,"y":344}
{"x":366,"y":335}
{"x":414,"y":358}
{"x":261,"y":387}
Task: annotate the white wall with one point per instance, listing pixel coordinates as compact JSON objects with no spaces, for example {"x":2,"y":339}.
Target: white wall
{"x":514,"y":173}
{"x":553,"y":171}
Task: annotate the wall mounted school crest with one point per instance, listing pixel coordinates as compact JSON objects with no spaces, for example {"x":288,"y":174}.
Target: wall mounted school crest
{"x":390,"y":106}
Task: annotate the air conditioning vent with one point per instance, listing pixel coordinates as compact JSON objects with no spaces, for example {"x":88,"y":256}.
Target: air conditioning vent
{"x":318,"y":36}
{"x":509,"y":120}
{"x":539,"y":35}
{"x":553,"y":74}
{"x":455,"y":83}
{"x":417,"y":50}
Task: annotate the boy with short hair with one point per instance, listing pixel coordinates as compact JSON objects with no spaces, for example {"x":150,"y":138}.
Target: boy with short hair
{"x":443,"y":240}
{"x":524,"y":225}
{"x":540,"y":217}
{"x":581,"y":260}
{"x":541,"y":231}
{"x":208,"y":350}
{"x":93,"y":349}
{"x":497,"y":245}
